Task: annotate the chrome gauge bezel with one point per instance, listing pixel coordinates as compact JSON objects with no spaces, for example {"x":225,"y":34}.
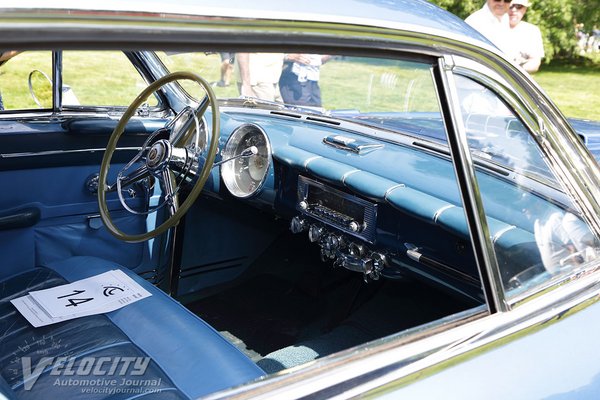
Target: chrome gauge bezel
{"x":232,"y":177}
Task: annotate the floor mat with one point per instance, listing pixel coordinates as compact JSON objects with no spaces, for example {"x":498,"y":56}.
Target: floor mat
{"x":267,"y":312}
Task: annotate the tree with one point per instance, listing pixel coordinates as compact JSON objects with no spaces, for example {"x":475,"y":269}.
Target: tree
{"x":587,"y":12}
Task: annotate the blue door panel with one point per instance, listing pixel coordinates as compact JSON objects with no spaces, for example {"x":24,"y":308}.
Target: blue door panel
{"x":65,"y":221}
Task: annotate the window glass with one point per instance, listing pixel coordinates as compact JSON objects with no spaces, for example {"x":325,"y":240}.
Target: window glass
{"x":25,"y":80}
{"x":537,"y":232}
{"x":90,"y":78}
{"x":349,"y":87}
{"x":100,"y":78}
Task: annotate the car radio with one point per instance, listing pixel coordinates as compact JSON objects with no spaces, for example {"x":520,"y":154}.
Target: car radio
{"x":341,"y":210}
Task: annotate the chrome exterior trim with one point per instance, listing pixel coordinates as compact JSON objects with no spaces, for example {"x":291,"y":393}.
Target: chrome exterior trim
{"x":143,"y":17}
{"x":57,"y":68}
{"x":553,"y":144}
{"x":469,"y":189}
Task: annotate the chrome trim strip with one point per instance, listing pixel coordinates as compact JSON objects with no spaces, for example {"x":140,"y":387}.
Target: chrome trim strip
{"x":390,"y":190}
{"x":347,"y":174}
{"x":57,"y":81}
{"x":59,"y":152}
{"x":502,"y":232}
{"x":441,"y":210}
{"x":308,"y":160}
{"x":520,"y":96}
{"x":469,"y":189}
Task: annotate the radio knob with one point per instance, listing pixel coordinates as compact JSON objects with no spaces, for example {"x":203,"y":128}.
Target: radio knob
{"x":298,"y":225}
{"x":354,"y":226}
{"x":330,"y":245}
{"x":356,"y":250}
{"x":315,"y":233}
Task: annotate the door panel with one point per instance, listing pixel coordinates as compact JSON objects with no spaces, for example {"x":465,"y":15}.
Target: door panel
{"x":51,"y":212}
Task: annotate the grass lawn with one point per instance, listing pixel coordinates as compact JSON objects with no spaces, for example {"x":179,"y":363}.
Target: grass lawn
{"x":574,"y":88}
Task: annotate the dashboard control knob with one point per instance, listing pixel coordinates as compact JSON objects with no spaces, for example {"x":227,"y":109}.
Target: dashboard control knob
{"x":303,"y":205}
{"x":356,"y":250}
{"x":379,"y":261}
{"x":298,"y":224}
{"x":354,"y":226}
{"x":315,"y":233}
{"x":330,"y":245}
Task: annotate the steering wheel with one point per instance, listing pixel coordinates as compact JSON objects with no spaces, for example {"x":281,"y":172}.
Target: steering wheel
{"x":164,"y":156}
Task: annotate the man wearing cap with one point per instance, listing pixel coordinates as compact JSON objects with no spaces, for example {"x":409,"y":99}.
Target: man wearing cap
{"x":527,"y":48}
{"x":492,"y":22}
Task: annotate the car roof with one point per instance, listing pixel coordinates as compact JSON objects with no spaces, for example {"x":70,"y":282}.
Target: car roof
{"x":412,"y":15}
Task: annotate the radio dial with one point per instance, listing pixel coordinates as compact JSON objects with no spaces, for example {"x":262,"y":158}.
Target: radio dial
{"x":303,"y":205}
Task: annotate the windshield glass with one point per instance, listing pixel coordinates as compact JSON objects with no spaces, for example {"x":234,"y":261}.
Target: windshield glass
{"x":397,"y":95}
{"x":392,"y":95}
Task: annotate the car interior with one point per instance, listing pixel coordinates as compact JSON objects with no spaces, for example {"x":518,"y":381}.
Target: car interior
{"x":279,"y":234}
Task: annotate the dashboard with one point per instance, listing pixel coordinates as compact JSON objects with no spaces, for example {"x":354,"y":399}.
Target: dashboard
{"x":379,"y":203}
{"x":369,"y":203}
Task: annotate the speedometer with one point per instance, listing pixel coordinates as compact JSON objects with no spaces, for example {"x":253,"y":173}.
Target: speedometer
{"x":249,"y":152}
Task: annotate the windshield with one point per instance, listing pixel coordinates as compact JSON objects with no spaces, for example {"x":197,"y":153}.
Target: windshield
{"x":347,"y":86}
{"x":392,"y":95}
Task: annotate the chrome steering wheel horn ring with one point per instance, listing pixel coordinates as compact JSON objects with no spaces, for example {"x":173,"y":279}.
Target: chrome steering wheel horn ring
{"x":168,"y":162}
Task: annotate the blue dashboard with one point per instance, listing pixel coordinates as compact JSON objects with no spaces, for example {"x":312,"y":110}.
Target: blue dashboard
{"x":405,"y":183}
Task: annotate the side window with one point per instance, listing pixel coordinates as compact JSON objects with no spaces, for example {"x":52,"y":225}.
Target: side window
{"x":100,"y":78}
{"x":90,"y":78}
{"x":25,"y":80}
{"x":537,"y":232}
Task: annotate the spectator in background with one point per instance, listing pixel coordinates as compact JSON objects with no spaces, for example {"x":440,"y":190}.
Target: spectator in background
{"x":299,"y":81}
{"x":258,"y":75}
{"x":582,"y":38}
{"x":226,"y":69}
{"x":492,"y":22}
{"x":525,"y":38}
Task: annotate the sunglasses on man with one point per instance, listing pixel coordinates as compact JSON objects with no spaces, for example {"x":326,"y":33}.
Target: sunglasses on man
{"x":518,"y":7}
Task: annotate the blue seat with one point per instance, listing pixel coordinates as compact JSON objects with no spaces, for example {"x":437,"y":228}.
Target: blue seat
{"x":187,"y":357}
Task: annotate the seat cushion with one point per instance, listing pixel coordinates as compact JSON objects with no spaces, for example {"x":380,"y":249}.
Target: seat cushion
{"x":179,"y":354}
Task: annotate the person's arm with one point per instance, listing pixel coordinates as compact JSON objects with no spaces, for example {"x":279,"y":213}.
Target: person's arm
{"x":532,"y":64}
{"x":303,"y":59}
{"x":7,"y":55}
{"x":243,"y":62}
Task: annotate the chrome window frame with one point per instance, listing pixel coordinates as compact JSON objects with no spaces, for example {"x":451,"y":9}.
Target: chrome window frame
{"x":548,"y":139}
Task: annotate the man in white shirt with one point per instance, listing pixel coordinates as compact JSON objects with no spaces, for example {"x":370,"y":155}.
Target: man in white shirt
{"x":258,"y":75}
{"x":492,"y":22}
{"x":527,"y":48}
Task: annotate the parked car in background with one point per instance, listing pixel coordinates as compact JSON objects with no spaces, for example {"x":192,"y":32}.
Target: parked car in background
{"x":430,"y":230}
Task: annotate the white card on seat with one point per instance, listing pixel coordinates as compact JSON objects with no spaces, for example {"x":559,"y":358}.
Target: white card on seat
{"x":95,"y":295}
